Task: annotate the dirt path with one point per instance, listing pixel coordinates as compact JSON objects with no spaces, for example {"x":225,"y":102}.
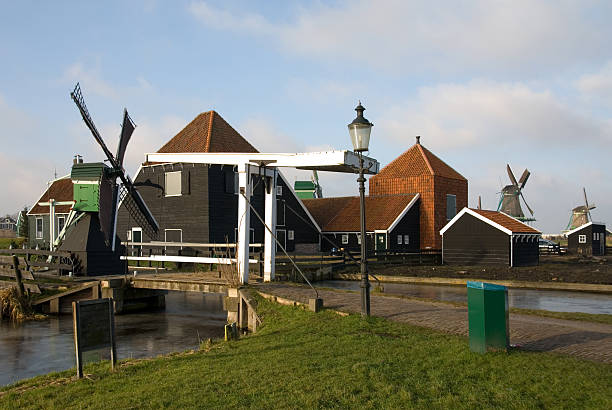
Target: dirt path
{"x":587,"y":340}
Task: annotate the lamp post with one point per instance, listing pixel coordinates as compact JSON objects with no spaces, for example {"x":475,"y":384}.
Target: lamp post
{"x":360,"y":130}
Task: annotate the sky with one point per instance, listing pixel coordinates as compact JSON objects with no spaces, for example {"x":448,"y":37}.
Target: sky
{"x":484,"y":83}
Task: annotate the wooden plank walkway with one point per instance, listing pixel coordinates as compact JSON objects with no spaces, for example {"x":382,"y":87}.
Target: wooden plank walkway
{"x":587,"y":340}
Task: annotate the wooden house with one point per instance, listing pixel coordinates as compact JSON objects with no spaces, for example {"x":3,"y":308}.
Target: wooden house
{"x":442,"y":189}
{"x":8,"y":227}
{"x":392,"y":222}
{"x":198,"y":203}
{"x":479,"y":237}
{"x":39,"y":223}
{"x":588,"y":239}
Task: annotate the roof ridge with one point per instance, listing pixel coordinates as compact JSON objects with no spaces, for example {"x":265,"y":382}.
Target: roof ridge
{"x":421,"y":150}
{"x":209,"y":133}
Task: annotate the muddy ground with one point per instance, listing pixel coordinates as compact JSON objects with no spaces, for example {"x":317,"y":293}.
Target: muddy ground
{"x":551,"y":269}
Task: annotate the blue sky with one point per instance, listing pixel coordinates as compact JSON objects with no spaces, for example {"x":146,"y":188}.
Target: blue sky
{"x":484,"y":83}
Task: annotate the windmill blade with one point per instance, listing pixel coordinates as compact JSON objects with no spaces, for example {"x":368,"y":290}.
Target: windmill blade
{"x":526,"y":204}
{"x":511,"y":175}
{"x":137,"y":208}
{"x":524,"y":178}
{"x":586,"y":203}
{"x":127,"y":128}
{"x":78,"y":99}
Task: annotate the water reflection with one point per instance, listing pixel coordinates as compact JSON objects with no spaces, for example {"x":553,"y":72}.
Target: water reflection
{"x":557,"y":301}
{"x":35,"y":348}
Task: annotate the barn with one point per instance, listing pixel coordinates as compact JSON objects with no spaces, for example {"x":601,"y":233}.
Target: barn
{"x":480,"y":237}
{"x":392,"y":222}
{"x":588,"y":239}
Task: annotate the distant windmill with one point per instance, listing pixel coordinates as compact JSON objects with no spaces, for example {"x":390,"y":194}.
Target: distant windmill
{"x":317,"y":186}
{"x":580,"y":214}
{"x":509,"y":202}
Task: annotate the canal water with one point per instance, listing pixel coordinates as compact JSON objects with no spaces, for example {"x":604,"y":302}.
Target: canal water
{"x":40,"y":347}
{"x":556,"y":301}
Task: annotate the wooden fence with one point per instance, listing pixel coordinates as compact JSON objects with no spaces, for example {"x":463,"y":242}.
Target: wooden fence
{"x":32,"y":260}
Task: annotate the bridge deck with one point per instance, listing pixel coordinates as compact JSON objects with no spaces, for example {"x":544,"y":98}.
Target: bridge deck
{"x":208,"y":282}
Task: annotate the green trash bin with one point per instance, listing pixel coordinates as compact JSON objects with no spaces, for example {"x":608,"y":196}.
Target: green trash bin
{"x":488,"y":316}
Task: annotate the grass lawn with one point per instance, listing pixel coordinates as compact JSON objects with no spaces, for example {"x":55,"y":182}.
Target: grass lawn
{"x":5,"y":242}
{"x":299,"y":359}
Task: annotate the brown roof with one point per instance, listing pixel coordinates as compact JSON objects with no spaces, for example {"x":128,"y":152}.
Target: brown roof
{"x":208,"y":132}
{"x":342,"y":214}
{"x":417,"y":161}
{"x":506,"y":221}
{"x":60,"y":190}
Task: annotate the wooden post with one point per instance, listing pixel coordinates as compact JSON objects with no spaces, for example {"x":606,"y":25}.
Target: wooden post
{"x":77,"y":342}
{"x":113,"y":351}
{"x":179,"y":265}
{"x":150,"y":253}
{"x":18,"y":278}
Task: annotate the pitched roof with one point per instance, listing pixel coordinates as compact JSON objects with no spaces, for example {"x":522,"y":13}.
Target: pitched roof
{"x":500,"y":220}
{"x":60,"y":190}
{"x":417,"y":161}
{"x":208,"y":132}
{"x":341,"y":214}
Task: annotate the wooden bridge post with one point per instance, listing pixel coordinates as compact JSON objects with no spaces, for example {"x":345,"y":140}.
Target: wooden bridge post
{"x":18,"y":278}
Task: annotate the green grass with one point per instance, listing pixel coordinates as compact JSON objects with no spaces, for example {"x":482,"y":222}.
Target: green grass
{"x":299,"y":359}
{"x":5,"y":242}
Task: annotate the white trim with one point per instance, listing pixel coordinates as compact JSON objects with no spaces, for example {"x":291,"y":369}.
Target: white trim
{"x":48,"y":186}
{"x":511,"y":251}
{"x":86,"y":181}
{"x":42,"y":232}
{"x":192,"y":259}
{"x":484,"y":219}
{"x":403,"y":213}
{"x":584,"y":226}
{"x":180,"y":172}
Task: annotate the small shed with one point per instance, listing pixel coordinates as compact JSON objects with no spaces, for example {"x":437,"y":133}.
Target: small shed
{"x":588,"y":239}
{"x":481,"y":237}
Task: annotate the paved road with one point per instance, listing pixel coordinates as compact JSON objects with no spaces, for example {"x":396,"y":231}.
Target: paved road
{"x":587,"y":340}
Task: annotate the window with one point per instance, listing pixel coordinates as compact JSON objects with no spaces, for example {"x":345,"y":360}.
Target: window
{"x":596,"y":236}
{"x":359,"y":238}
{"x":61,"y":221}
{"x":279,"y":190}
{"x":39,"y":228}
{"x":129,"y":235}
{"x":399,"y":239}
{"x":290,"y":235}
{"x":406,"y":239}
{"x":173,"y":183}
{"x":451,"y":206}
{"x":173,"y":235}
{"x":344,"y":238}
{"x":581,"y":238}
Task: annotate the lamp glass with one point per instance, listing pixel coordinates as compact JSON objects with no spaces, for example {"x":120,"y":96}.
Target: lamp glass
{"x":360,"y":135}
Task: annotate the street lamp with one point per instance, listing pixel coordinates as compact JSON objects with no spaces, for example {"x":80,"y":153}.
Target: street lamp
{"x":360,"y":130}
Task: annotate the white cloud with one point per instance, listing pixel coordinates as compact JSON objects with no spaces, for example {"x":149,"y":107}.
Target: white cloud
{"x":503,"y":36}
{"x":91,"y":79}
{"x":489,"y":114}
{"x":598,"y":84}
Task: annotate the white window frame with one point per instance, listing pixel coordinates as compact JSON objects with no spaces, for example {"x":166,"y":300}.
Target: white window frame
{"x":406,"y":239}
{"x":129,"y":235}
{"x":279,"y":190}
{"x":581,"y":238}
{"x":173,"y":229}
{"x":290,"y":235}
{"x":39,"y":234}
{"x":400,"y":239}
{"x":180,"y":183}
{"x":345,"y":239}
{"x":59,"y":228}
{"x":359,"y":239}
{"x":455,"y":213}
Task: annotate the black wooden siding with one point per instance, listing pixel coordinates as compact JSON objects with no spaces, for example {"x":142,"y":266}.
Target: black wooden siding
{"x":525,"y":251}
{"x":591,"y":247}
{"x":296,"y":219}
{"x":470,"y":241}
{"x":188,"y":212}
{"x":409,"y":225}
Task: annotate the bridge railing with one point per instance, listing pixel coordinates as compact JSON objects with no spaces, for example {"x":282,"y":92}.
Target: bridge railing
{"x":33,"y":260}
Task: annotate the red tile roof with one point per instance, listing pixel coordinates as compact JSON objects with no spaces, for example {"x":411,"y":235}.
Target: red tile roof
{"x":417,"y":161}
{"x":60,"y":190}
{"x":342,"y":214}
{"x":208,"y":132}
{"x":506,"y":221}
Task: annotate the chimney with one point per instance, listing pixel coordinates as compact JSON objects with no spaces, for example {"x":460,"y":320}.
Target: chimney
{"x":418,"y":139}
{"x":74,"y":160}
{"x":80,"y":159}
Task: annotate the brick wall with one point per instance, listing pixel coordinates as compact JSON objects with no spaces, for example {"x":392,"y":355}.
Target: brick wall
{"x":433,"y":191}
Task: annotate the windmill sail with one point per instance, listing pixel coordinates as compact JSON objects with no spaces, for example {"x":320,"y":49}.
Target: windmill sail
{"x":511,"y":195}
{"x":581,"y":214}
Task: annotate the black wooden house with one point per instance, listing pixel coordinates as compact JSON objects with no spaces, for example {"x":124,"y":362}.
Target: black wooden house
{"x":198,"y":203}
{"x":479,"y":237}
{"x":588,"y":239}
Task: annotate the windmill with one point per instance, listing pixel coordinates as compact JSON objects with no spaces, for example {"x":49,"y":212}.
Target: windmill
{"x":90,"y":229}
{"x":581,"y":214}
{"x":509,"y":202}
{"x":317,"y":186}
